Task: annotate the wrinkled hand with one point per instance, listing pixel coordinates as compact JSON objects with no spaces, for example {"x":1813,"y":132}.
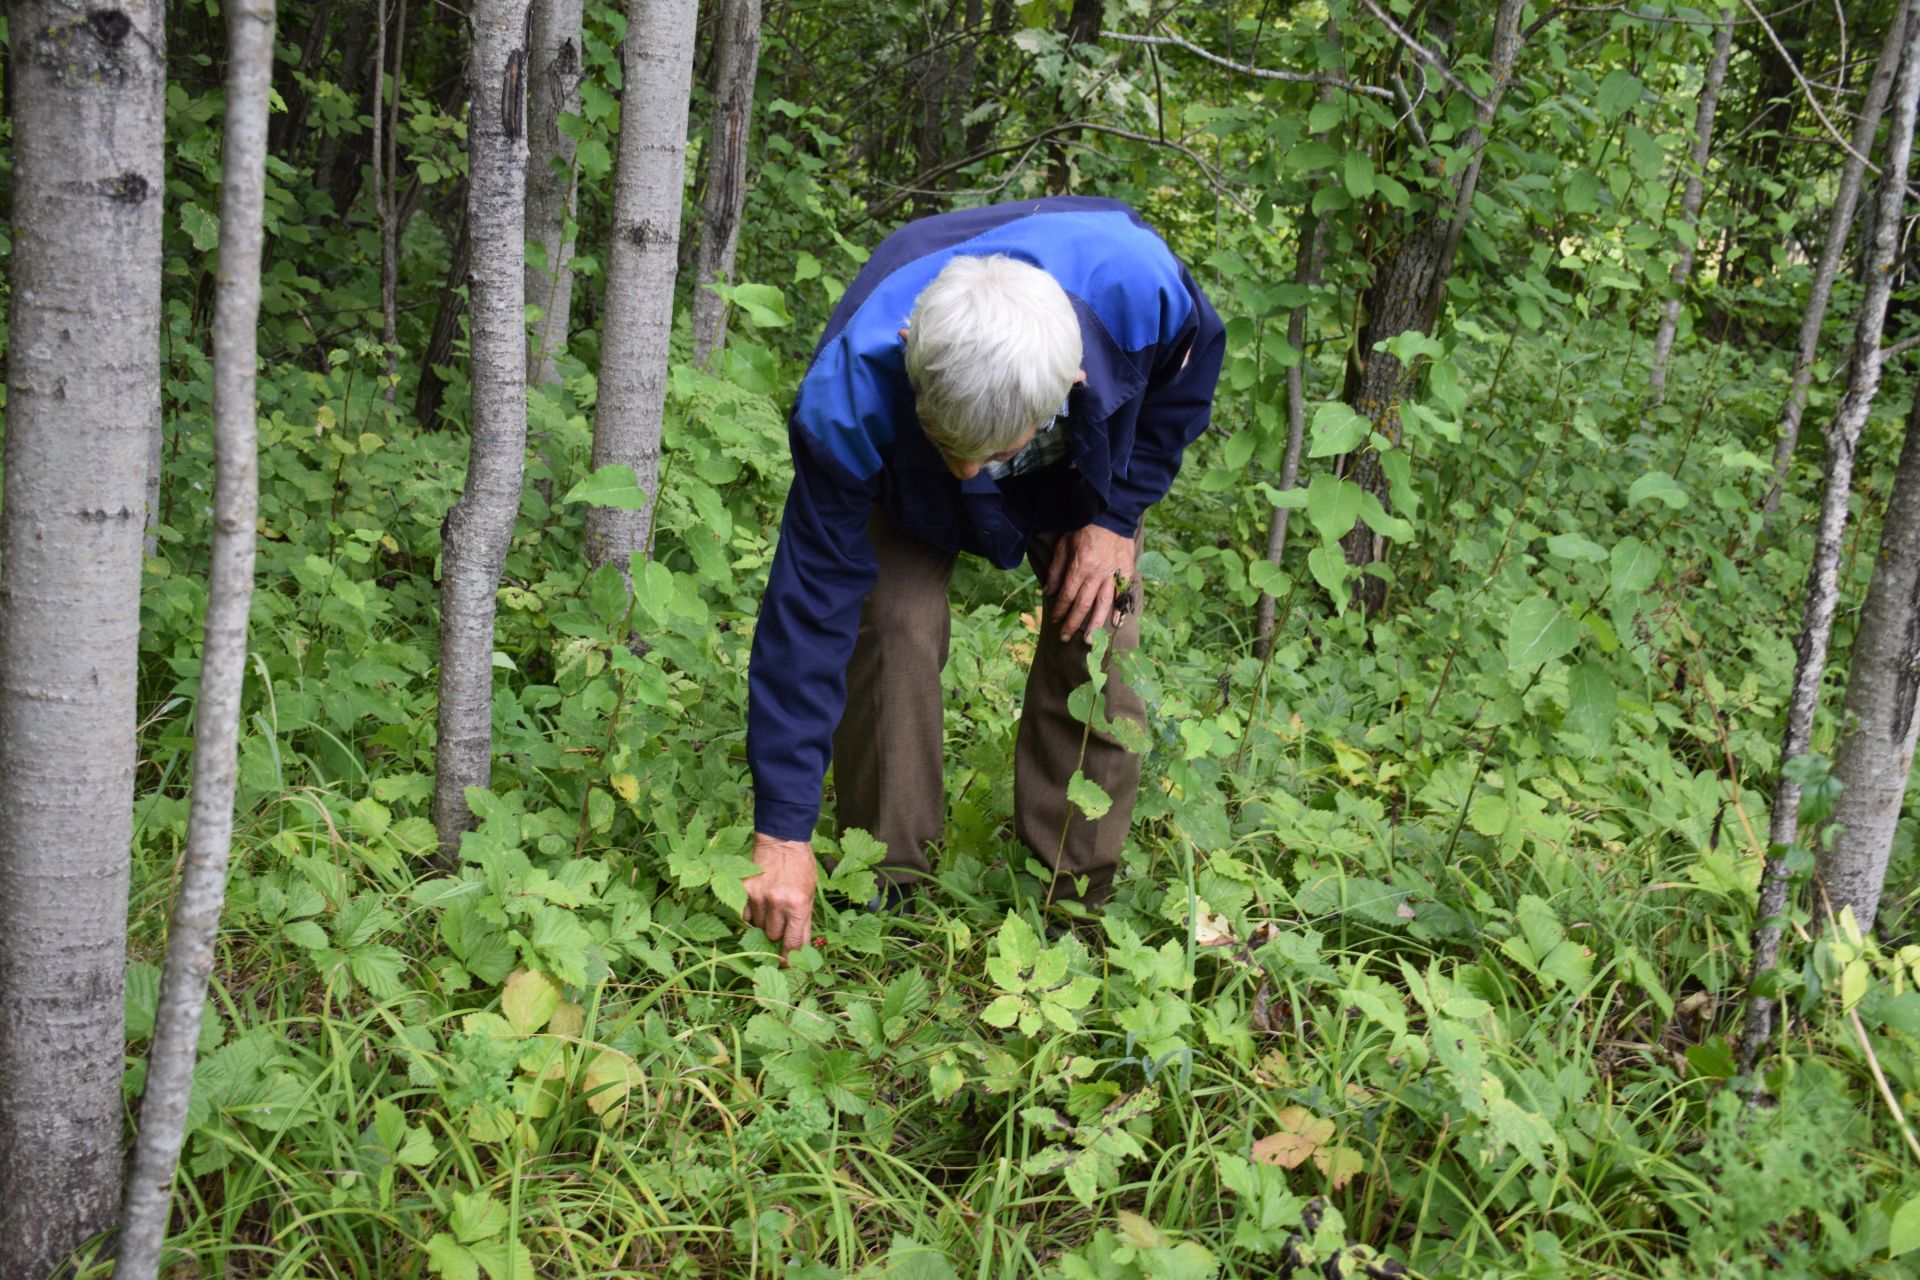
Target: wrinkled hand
{"x":780,"y":898}
{"x":1081,"y":582}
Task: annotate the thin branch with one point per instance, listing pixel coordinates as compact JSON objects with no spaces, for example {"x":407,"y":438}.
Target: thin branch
{"x":1900,"y":348}
{"x":1880,"y":1079}
{"x":1423,"y":53}
{"x":1264,"y":73}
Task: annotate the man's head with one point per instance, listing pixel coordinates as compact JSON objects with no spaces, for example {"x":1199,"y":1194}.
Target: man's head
{"x":993,"y":347}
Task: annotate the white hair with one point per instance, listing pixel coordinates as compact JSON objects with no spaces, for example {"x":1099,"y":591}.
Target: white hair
{"x":993,"y":348}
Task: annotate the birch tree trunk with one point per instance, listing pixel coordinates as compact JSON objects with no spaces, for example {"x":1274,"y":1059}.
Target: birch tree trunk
{"x":1846,"y":199}
{"x":83,"y":390}
{"x":223,"y":661}
{"x":1690,"y":202}
{"x":1823,"y":576}
{"x":640,"y":268}
{"x":479,"y":529}
{"x":1875,"y":761}
{"x":553,"y":90}
{"x":736,"y":63}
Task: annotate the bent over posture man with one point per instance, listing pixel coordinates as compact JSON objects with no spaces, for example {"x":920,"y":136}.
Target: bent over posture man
{"x":1017,"y":381}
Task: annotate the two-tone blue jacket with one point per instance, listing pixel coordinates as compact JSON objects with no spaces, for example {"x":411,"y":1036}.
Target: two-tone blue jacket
{"x":1152,"y":352}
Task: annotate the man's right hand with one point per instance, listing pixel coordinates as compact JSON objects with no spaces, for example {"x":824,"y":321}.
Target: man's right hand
{"x":780,"y":898}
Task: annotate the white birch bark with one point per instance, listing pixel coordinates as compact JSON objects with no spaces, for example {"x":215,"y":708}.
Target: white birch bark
{"x":1875,"y":761}
{"x":553,"y":89}
{"x":736,"y":63}
{"x":1690,"y":199}
{"x":648,"y":183}
{"x":479,"y":529}
{"x":1846,"y":200}
{"x":83,"y":390}
{"x":1823,"y":575}
{"x":216,"y":716}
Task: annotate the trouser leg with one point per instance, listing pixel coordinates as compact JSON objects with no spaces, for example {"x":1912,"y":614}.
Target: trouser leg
{"x":887,"y":765}
{"x":1053,"y":742}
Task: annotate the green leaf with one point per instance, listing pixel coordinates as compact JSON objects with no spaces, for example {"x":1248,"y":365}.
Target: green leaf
{"x":1359,"y":174}
{"x":1576,"y":546}
{"x":449,"y":1260}
{"x":477,"y":1216}
{"x":201,"y":226}
{"x":1591,"y":703}
{"x":1539,"y":632}
{"x":1087,"y":796}
{"x":1619,"y":92}
{"x":1903,"y":1237}
{"x":1657,"y":486}
{"x":1582,"y":194}
{"x":1337,"y":429}
{"x":1635,"y":566}
{"x":1333,"y":505}
{"x":610,"y":486}
{"x":1443,"y":381}
{"x":1329,"y":569}
{"x":762,"y":304}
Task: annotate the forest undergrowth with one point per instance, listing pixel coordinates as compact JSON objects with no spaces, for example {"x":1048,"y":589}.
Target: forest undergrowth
{"x":1438,"y":919}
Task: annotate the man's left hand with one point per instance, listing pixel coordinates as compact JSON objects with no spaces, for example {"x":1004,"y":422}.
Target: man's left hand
{"x":1083,"y":582}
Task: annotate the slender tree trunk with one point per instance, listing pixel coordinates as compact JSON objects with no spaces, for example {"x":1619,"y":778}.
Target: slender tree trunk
{"x":1823,"y":576}
{"x":83,"y":387}
{"x":640,"y":269}
{"x":223,"y":662}
{"x":553,"y":90}
{"x":389,"y":202}
{"x":479,"y":529}
{"x":1875,"y":761}
{"x":1306,"y":274}
{"x":1690,"y":203}
{"x":736,"y":62}
{"x":1846,"y":200}
{"x":1406,"y":294}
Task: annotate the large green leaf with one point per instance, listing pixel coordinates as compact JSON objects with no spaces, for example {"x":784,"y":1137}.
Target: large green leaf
{"x":609,"y":486}
{"x":1539,"y":632}
{"x":1333,"y":505}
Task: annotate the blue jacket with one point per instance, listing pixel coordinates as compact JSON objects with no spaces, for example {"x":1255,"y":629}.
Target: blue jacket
{"x":1152,"y":353}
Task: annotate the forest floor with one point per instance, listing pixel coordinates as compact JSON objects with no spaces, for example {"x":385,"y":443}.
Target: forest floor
{"x":1437,"y":919}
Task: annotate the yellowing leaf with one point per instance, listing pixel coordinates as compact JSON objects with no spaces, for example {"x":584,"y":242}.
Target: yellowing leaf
{"x":610,"y":1078}
{"x":528,"y":1000}
{"x":1340,"y":1164}
{"x":626,"y":786}
{"x":567,"y":1020}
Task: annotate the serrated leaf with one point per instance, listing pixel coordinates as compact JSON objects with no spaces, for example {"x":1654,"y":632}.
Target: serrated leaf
{"x":476,"y":1216}
{"x":528,"y":1000}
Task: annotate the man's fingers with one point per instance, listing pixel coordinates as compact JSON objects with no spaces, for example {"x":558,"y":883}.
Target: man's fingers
{"x":1078,"y":601}
{"x":1102,"y":609}
{"x":799,"y":927}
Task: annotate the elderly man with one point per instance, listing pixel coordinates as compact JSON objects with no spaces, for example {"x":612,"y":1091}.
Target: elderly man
{"x":1018,"y":382}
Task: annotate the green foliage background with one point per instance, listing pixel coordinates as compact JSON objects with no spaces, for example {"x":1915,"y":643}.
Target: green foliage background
{"x":1438,"y":916}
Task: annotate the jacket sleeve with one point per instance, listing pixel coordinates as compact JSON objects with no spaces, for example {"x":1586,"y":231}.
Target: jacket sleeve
{"x":1178,"y":400}
{"x":809,"y":619}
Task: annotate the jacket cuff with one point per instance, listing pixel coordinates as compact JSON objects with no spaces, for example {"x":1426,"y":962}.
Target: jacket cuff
{"x":784,"y":819}
{"x":1116,"y":522}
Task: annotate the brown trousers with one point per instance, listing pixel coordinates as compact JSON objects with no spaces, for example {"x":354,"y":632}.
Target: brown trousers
{"x":889,"y":777}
